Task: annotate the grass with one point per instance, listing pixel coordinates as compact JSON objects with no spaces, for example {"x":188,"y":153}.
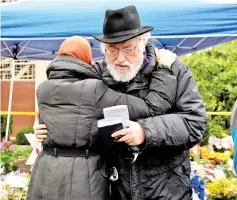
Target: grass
{"x":21,"y":154}
{"x":22,"y":151}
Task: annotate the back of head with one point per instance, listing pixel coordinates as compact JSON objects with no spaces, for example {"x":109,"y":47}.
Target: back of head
{"x":77,"y":47}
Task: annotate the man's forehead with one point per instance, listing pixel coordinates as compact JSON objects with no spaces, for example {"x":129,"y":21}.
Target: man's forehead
{"x":124,"y":44}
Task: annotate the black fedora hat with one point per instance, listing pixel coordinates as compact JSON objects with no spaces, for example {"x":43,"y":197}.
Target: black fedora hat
{"x":121,"y":25}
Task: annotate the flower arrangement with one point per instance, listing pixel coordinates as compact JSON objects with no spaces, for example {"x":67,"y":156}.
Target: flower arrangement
{"x":218,"y":158}
{"x":7,"y":161}
{"x":213,"y":163}
{"x":221,"y":144}
{"x":15,"y":186}
{"x":222,"y":189}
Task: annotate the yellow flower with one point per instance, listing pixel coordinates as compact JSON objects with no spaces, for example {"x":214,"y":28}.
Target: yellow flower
{"x":216,"y":157}
{"x":234,"y":189}
{"x":24,"y":174}
{"x":204,"y":152}
{"x":234,"y":181}
{"x":222,"y":188}
{"x":226,"y":191}
{"x":223,"y":135}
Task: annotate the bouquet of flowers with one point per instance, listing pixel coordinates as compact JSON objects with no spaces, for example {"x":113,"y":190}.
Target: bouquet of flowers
{"x":15,"y":186}
{"x":222,"y":189}
{"x":7,"y":162}
{"x":221,"y":144}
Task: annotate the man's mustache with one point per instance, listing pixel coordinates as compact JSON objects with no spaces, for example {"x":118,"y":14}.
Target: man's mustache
{"x":119,"y":65}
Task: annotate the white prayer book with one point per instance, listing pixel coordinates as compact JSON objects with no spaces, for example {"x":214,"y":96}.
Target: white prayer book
{"x":117,"y":112}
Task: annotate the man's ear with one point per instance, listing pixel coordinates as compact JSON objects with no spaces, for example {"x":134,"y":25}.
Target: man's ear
{"x":142,"y":44}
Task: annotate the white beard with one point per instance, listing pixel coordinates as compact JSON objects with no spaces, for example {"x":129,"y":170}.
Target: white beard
{"x":132,"y":71}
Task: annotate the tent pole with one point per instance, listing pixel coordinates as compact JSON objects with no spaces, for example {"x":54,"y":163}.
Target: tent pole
{"x":10,"y":99}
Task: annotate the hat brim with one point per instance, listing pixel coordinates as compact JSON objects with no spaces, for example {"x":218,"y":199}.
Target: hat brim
{"x":122,"y":38}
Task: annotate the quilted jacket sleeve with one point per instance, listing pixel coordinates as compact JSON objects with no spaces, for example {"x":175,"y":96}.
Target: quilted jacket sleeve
{"x":107,"y":97}
{"x":162,"y":91}
{"x":185,"y":125}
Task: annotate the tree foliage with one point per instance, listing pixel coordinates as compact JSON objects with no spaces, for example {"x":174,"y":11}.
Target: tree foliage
{"x":215,"y":72}
{"x":4,"y":125}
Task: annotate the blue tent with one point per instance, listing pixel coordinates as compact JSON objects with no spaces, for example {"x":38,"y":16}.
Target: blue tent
{"x":34,"y":29}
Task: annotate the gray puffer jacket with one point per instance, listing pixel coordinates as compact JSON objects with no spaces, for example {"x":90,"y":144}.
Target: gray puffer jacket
{"x":70,"y":103}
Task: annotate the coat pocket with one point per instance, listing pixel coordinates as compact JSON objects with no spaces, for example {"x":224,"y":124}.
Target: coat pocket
{"x":174,"y":185}
{"x":181,"y":172}
{"x":103,"y":169}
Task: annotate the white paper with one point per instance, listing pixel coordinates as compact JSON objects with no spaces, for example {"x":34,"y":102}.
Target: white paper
{"x":37,"y":147}
{"x":120,"y":111}
{"x":31,"y":139}
{"x":32,"y":158}
{"x":108,"y":122}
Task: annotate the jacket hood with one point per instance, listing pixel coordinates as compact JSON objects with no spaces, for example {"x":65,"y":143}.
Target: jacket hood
{"x":69,"y":67}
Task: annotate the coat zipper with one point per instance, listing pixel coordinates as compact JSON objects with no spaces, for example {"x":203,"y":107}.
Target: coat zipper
{"x":131,"y":181}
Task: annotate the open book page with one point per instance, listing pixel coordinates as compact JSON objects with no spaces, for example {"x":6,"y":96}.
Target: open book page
{"x":120,"y":111}
{"x":108,"y":122}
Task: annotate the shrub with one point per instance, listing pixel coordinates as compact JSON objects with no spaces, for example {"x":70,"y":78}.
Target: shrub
{"x":214,"y":71}
{"x":21,"y":138}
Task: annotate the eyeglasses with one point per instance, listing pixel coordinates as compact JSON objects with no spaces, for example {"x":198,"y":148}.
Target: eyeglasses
{"x":127,"y":51}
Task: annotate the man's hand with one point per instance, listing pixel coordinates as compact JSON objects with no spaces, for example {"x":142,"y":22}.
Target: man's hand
{"x":165,"y":57}
{"x":40,"y":130}
{"x":134,"y":135}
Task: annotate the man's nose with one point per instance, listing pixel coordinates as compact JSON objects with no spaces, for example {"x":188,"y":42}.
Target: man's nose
{"x":120,"y":58}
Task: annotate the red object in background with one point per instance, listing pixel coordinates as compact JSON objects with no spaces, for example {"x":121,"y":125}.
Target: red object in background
{"x":37,"y":150}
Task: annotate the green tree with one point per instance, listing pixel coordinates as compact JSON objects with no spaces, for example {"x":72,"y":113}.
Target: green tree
{"x":4,"y":125}
{"x":215,"y":72}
